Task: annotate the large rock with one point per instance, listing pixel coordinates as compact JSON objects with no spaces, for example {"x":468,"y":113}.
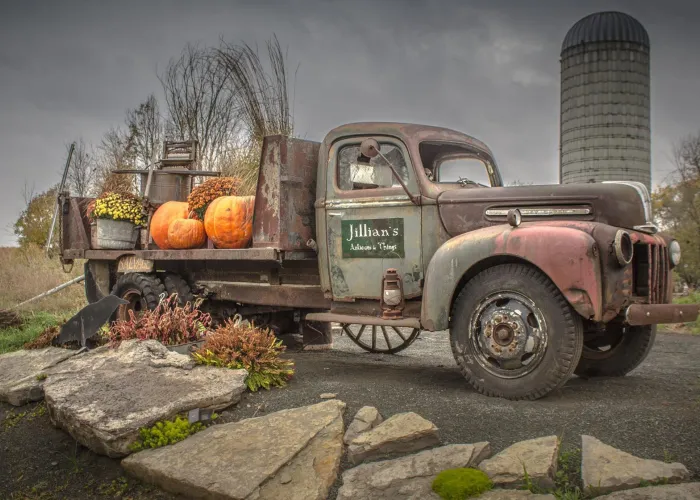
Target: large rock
{"x":687,"y":491}
{"x":292,"y":454}
{"x":409,"y":477}
{"x":102,"y":398}
{"x":366,"y":418}
{"x":605,"y":469}
{"x":22,"y":373}
{"x":400,"y":433}
{"x":514,"y":495}
{"x":536,"y":456}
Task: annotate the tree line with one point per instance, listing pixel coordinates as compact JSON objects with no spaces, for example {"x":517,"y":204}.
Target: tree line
{"x":224,"y":97}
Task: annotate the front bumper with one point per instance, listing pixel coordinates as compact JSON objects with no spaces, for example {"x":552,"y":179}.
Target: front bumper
{"x":654,"y":314}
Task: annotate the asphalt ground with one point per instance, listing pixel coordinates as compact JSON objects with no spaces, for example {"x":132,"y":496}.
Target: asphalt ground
{"x":654,"y":412}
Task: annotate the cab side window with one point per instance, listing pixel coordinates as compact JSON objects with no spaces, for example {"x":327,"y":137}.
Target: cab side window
{"x":355,"y":171}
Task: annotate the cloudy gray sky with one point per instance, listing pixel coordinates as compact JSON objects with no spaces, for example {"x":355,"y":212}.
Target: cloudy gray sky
{"x":491,"y":69}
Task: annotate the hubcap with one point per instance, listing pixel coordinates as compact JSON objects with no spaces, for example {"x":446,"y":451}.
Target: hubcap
{"x":508,"y":334}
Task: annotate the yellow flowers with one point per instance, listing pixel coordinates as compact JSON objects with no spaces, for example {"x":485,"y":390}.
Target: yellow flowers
{"x":119,"y":206}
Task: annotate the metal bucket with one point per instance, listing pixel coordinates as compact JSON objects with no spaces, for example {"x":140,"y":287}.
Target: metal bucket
{"x":116,"y":234}
{"x":166,"y":187}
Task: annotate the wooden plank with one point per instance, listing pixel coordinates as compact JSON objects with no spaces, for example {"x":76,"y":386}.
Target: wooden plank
{"x":363,"y":320}
{"x":256,"y":254}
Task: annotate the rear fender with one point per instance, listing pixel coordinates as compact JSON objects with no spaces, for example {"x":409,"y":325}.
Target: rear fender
{"x":569,"y":257}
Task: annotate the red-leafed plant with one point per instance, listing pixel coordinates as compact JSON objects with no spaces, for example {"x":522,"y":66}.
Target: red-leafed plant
{"x":239,"y":345}
{"x":168,"y":323}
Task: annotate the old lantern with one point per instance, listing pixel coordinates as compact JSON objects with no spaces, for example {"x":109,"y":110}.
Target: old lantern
{"x":392,"y":301}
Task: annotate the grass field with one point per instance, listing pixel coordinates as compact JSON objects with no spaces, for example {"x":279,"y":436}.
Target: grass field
{"x":25,"y":273}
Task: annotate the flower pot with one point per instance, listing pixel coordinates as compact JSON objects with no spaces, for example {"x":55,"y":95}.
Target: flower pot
{"x":116,"y":234}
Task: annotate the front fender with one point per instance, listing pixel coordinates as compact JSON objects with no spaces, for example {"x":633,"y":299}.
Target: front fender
{"x":569,"y":257}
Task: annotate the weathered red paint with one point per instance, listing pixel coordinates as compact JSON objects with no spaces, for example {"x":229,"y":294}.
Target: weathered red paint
{"x":568,"y":256}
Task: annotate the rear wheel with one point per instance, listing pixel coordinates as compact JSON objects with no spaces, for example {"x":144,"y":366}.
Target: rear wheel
{"x":176,"y":284}
{"x":616,"y":351}
{"x":513,"y":333}
{"x":142,"y":291}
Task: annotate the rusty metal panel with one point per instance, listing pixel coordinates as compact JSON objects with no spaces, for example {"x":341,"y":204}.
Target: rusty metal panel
{"x":204,"y":254}
{"x":75,"y":227}
{"x":284,"y":204}
{"x":568,"y":256}
{"x":305,"y":296}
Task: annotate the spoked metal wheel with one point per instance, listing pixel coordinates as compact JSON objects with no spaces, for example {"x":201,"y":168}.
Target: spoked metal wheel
{"x":509,"y":334}
{"x":381,"y":339}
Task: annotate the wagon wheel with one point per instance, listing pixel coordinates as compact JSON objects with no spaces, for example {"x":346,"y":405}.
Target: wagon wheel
{"x":380,"y":339}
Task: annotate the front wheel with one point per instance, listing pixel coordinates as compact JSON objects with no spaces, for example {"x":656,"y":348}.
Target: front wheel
{"x":513,"y":333}
{"x":616,"y":351}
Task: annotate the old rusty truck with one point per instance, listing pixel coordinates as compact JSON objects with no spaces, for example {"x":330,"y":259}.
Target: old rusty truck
{"x":390,"y":229}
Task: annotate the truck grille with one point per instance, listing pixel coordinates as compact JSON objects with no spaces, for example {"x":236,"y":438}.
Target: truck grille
{"x":650,"y":272}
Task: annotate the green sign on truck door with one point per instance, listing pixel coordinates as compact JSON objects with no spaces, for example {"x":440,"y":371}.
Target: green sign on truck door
{"x":373,"y":239}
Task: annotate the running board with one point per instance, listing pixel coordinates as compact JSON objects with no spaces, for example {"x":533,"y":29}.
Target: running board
{"x":363,"y":320}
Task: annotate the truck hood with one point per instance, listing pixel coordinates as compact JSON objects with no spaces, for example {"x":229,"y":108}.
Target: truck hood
{"x":620,"y":205}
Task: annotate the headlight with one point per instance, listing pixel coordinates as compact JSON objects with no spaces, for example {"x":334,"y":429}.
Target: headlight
{"x":624,"y":250}
{"x":674,"y":252}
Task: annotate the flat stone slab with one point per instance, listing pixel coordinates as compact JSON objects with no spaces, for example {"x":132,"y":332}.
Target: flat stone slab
{"x":514,"y":495}
{"x":366,"y":418}
{"x":687,"y":491}
{"x":536,"y":456}
{"x":21,"y":373}
{"x":606,"y":469}
{"x":409,"y":477}
{"x":103,"y":397}
{"x":291,"y":454}
{"x":400,"y":433}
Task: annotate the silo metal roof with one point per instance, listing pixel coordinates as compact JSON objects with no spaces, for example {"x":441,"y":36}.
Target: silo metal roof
{"x":606,"y":27}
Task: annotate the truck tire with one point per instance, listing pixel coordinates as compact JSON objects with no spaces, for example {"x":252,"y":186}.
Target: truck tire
{"x":143,"y":292}
{"x":513,"y":334}
{"x":174,"y":283}
{"x":619,"y":351}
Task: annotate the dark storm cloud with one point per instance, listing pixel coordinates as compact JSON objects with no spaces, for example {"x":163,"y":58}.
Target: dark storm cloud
{"x":491,"y":69}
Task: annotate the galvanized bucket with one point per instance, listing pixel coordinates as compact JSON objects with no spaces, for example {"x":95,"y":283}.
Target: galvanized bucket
{"x":116,"y":234}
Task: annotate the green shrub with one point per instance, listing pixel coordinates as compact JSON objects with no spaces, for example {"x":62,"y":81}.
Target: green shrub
{"x":458,"y":484}
{"x":165,"y":433}
{"x":236,"y":345}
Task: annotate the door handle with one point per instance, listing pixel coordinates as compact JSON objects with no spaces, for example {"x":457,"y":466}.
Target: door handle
{"x":334,"y":214}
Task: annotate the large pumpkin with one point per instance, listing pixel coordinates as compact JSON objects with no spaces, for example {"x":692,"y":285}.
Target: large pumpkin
{"x":228,"y":221}
{"x":186,"y":233}
{"x":162,"y":217}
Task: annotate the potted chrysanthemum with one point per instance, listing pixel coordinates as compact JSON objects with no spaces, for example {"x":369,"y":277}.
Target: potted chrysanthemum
{"x":118,"y":217}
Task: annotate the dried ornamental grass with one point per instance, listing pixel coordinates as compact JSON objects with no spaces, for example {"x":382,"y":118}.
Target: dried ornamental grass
{"x":201,"y":196}
{"x":236,"y":345}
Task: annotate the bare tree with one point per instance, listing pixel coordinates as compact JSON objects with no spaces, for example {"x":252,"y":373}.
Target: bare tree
{"x":201,"y":103}
{"x":82,"y":172}
{"x":116,"y":151}
{"x":145,"y":127}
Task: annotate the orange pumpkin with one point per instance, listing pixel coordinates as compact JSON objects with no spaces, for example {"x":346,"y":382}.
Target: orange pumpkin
{"x":162,"y":217}
{"x":186,"y":233}
{"x":228,"y":221}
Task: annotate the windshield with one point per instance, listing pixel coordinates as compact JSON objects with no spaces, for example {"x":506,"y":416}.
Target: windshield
{"x":462,"y":169}
{"x":455,"y":163}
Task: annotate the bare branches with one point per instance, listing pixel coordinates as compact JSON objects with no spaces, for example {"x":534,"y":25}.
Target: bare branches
{"x":145,"y":126}
{"x":116,"y":152}
{"x":201,"y":104}
{"x":82,"y":172}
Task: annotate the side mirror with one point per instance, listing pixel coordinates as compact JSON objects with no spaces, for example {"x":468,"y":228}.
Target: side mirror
{"x":370,"y":149}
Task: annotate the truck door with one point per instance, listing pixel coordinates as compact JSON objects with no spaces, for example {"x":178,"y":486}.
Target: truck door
{"x":372,"y":225}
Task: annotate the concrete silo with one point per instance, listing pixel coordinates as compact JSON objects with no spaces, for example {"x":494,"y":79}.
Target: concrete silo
{"x":605,"y":126}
